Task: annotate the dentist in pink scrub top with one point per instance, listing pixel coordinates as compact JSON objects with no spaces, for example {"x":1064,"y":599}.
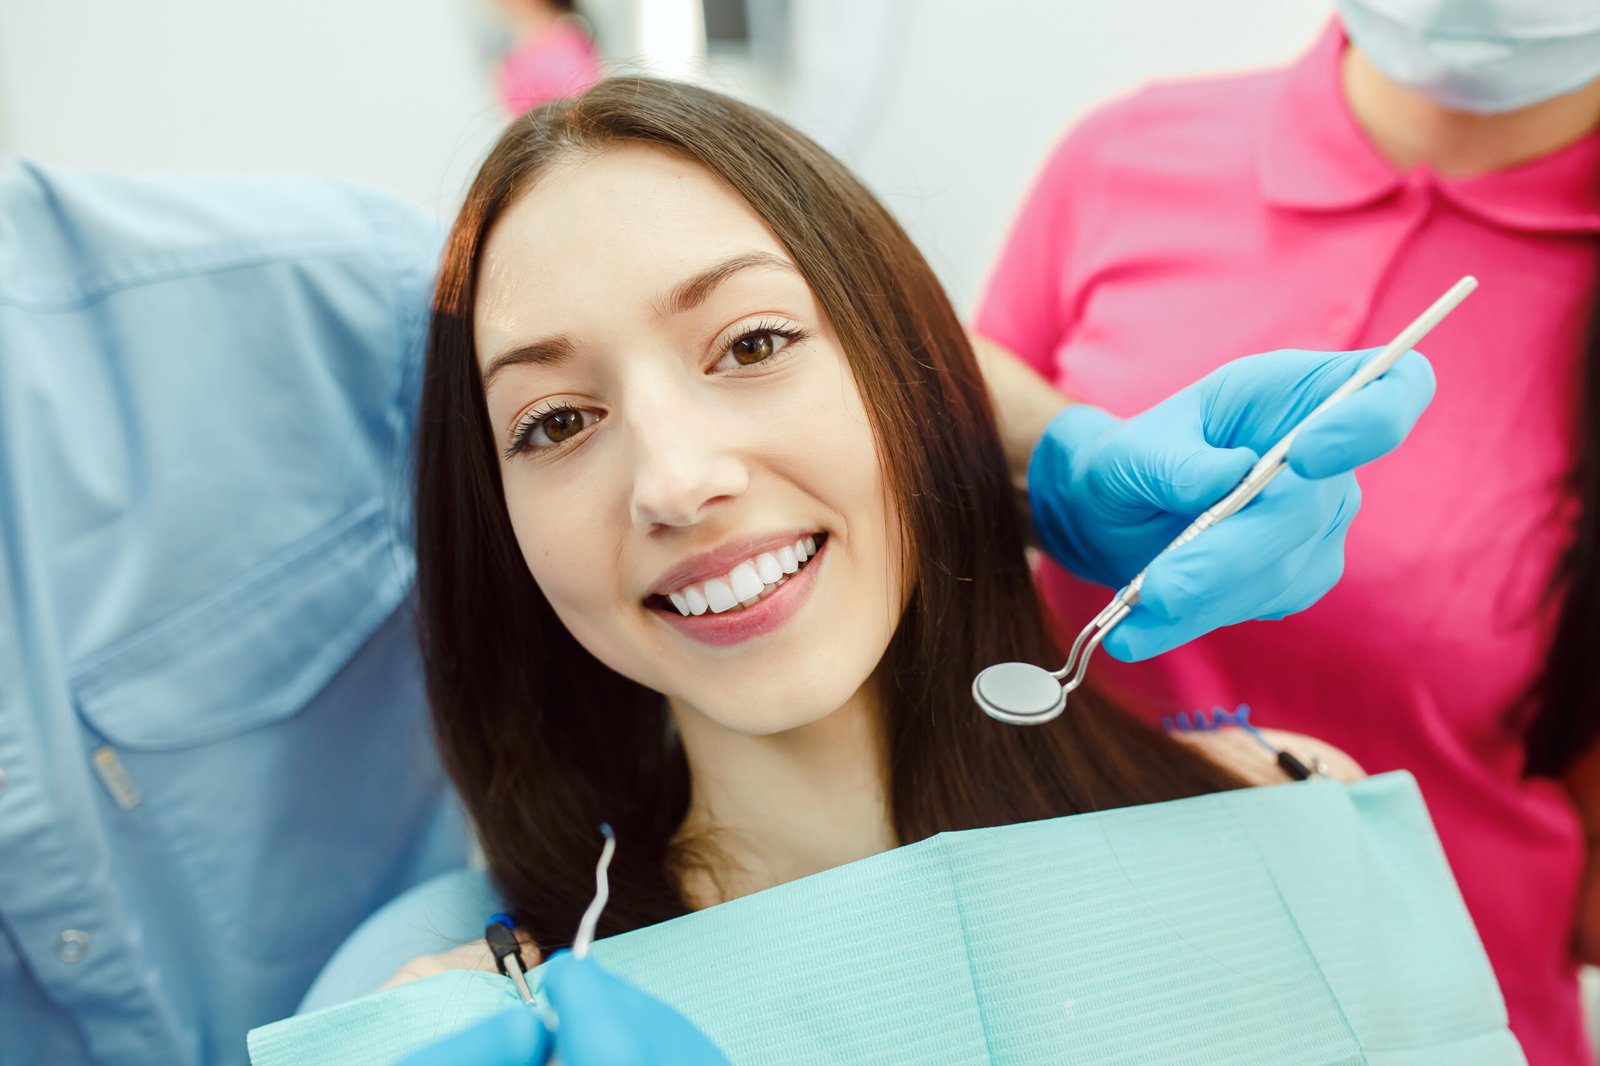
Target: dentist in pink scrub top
{"x":1323,"y":206}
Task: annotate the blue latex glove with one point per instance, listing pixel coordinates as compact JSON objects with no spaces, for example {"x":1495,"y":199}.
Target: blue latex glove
{"x":1108,"y":494}
{"x":604,"y":1021}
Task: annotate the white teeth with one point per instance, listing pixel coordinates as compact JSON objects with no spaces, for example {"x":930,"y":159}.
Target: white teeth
{"x":719,"y":597}
{"x":747,"y":584}
{"x":767,"y":568}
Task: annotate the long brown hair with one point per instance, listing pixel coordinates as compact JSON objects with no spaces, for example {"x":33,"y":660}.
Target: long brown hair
{"x":1565,"y":699}
{"x":544,"y":742}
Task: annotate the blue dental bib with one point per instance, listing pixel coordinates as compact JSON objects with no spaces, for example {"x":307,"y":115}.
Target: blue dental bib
{"x":1309,"y":924}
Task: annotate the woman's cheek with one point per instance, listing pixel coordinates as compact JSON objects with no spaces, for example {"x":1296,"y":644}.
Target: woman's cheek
{"x":556,"y":557}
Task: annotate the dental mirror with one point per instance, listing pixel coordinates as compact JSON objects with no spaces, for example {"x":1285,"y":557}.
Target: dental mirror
{"x":1019,"y":693}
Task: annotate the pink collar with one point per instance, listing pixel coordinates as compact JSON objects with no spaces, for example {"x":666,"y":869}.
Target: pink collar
{"x":1314,"y":157}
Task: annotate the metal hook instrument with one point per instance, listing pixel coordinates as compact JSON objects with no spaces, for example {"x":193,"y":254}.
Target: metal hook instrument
{"x":507,"y":950}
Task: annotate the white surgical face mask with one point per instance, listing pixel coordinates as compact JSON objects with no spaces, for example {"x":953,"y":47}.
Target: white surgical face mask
{"x":1483,"y":56}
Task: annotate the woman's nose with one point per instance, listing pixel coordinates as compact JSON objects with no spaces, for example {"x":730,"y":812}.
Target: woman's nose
{"x":684,"y":465}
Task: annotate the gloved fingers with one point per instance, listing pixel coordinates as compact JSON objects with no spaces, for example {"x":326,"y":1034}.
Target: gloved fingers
{"x":1144,"y":635}
{"x":1249,"y":556}
{"x":1253,"y":401}
{"x":1323,"y":568}
{"x":1368,"y":424}
{"x":1316,"y":567}
{"x":1177,"y":476}
{"x":1289,"y":553}
{"x":1052,"y":482}
{"x":605,"y":1021}
{"x":1247,"y":552}
{"x":514,"y":1037}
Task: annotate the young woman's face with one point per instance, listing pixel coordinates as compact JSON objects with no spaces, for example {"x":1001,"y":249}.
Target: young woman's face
{"x":679,"y":431}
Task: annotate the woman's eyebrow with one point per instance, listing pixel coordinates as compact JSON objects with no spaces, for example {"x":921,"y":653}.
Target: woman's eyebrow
{"x":684,"y":296}
{"x":692,"y":292}
{"x":552,"y":351}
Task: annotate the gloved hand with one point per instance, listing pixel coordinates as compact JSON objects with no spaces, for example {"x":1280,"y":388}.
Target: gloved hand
{"x":1108,"y":494}
{"x":603,"y":1021}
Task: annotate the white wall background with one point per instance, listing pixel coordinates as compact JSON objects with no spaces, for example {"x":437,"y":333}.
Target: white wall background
{"x":386,"y":92}
{"x":975,"y":94}
{"x":959,"y":100}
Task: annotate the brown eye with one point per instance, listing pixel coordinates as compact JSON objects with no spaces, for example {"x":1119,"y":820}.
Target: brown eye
{"x":562,"y":425}
{"x":765,"y":343}
{"x":754,"y":348}
{"x":544,"y":429}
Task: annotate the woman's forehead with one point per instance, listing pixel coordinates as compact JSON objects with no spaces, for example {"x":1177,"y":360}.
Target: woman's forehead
{"x":634,"y":199}
{"x":620,"y":225}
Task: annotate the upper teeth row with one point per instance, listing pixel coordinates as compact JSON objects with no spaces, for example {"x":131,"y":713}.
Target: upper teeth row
{"x":746,"y":582}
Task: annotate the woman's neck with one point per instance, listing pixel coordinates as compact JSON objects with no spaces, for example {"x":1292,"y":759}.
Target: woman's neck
{"x":775,"y":808}
{"x":1411,"y":130}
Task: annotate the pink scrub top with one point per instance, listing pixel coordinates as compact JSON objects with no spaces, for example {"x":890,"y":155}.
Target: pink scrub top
{"x":559,"y":61}
{"x":1192,"y":223}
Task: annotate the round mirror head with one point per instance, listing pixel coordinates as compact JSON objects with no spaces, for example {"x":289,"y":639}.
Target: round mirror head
{"x":1019,"y":693}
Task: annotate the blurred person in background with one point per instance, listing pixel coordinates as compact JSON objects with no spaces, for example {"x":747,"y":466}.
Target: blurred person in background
{"x":1324,"y":205}
{"x":551,"y":54}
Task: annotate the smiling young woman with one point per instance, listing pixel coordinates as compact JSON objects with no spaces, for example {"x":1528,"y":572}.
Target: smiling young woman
{"x":714,"y":527}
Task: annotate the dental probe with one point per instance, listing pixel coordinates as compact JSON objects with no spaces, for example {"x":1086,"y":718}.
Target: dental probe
{"x":1024,"y":694}
{"x":501,"y":934}
{"x":602,"y":894}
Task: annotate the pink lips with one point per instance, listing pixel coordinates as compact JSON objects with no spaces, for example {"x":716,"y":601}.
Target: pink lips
{"x":717,"y":563}
{"x":746,"y":623}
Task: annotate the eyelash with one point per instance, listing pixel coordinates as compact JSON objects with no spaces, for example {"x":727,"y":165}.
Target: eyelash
{"x":773,"y":327}
{"x":529,"y":423}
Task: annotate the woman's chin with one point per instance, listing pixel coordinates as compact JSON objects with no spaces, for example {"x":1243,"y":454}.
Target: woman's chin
{"x":759,"y":716}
